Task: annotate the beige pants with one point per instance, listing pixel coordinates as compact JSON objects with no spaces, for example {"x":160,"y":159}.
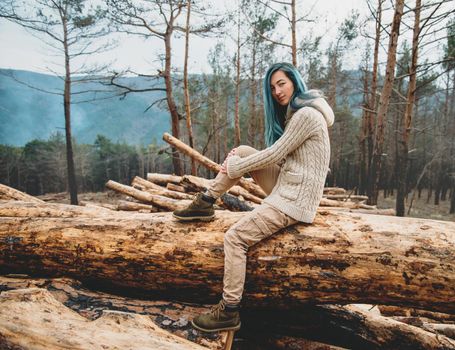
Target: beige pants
{"x":256,"y":225}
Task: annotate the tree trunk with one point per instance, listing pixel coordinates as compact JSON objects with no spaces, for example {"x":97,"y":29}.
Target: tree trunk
{"x":293,"y":34}
{"x":341,"y":258}
{"x":375,"y":169}
{"x":452,"y":199}
{"x":170,"y":99}
{"x":72,"y":185}
{"x":186,"y":88}
{"x":363,"y":173}
{"x":237,"y":88}
{"x":252,"y":125}
{"x":374,"y":83}
{"x":402,"y":177}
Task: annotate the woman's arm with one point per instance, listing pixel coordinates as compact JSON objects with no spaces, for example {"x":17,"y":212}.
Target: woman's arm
{"x":302,"y":125}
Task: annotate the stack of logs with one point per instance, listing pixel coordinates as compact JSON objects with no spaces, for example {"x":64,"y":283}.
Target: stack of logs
{"x":164,"y":192}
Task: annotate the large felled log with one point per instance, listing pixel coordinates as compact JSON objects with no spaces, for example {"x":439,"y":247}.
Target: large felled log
{"x":341,"y":258}
{"x":169,"y":315}
{"x":34,"y":319}
{"x":209,"y":164}
{"x":7,"y":193}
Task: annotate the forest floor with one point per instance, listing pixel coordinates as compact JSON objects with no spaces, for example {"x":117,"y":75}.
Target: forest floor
{"x":420,"y":207}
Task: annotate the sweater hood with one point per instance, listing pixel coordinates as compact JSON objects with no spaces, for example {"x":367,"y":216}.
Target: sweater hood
{"x":320,"y":104}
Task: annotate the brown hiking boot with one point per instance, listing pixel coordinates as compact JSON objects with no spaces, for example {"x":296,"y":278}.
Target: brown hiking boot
{"x":201,"y":208}
{"x":222,"y":317}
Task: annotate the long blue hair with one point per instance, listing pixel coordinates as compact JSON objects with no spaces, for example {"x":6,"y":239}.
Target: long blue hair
{"x":274,"y":113}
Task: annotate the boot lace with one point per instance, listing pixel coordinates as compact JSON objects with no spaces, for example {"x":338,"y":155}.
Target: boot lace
{"x":196,"y":203}
{"x":217,"y":309}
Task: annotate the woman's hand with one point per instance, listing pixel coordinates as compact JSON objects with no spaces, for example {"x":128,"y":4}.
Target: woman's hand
{"x":224,"y":165}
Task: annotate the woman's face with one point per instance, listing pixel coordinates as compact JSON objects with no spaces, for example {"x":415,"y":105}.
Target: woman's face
{"x":282,"y":87}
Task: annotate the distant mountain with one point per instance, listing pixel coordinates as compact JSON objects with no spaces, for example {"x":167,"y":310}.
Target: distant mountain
{"x":27,"y":113}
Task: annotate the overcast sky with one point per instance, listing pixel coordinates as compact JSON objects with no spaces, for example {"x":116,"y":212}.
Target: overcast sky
{"x":21,"y":50}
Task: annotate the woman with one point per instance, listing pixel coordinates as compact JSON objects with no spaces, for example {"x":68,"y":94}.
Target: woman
{"x":291,"y":170}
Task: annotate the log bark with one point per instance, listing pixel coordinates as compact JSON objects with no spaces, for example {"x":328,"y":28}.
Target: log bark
{"x":211,"y":165}
{"x":7,"y":193}
{"x":133,"y":206}
{"x":34,"y":319}
{"x":340,"y":258}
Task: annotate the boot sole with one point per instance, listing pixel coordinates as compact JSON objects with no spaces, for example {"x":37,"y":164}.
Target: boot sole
{"x":234,"y":328}
{"x":191,"y":218}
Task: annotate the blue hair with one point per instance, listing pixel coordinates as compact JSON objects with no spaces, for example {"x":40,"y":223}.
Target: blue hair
{"x":274,"y":113}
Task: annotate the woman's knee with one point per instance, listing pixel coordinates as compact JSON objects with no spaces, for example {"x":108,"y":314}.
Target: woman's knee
{"x":244,"y":151}
{"x":232,"y":239}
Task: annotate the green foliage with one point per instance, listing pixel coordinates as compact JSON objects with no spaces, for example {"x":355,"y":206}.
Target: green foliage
{"x":40,"y":166}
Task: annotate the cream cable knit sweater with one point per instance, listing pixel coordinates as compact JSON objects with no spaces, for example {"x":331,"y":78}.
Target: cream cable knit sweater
{"x":305,"y":147}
